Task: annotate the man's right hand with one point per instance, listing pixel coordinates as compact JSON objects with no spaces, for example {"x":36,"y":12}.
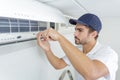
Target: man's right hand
{"x":42,"y":41}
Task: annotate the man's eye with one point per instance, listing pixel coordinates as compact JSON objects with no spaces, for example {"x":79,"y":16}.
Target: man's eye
{"x":79,"y":30}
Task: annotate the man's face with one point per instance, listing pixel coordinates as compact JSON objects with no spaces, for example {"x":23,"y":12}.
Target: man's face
{"x":81,"y":35}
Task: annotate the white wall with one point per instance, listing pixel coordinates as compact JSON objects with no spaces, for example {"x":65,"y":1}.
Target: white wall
{"x":26,"y":61}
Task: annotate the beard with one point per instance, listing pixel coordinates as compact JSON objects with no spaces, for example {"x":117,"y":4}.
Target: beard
{"x":80,"y":41}
{"x":77,"y":41}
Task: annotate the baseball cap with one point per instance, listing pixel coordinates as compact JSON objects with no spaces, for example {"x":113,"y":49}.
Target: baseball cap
{"x":88,"y":19}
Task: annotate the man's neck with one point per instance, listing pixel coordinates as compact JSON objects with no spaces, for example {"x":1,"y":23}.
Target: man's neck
{"x":89,"y":46}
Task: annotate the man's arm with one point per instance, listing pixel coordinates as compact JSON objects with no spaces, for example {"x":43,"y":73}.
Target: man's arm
{"x":56,"y":62}
{"x":90,"y":69}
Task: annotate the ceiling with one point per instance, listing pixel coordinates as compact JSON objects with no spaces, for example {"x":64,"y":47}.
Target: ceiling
{"x":75,"y":8}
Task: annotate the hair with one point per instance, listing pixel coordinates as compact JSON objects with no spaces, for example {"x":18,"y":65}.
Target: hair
{"x":92,"y":30}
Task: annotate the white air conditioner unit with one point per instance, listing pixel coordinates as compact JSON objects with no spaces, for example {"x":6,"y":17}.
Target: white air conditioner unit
{"x":22,"y":19}
{"x":30,"y":9}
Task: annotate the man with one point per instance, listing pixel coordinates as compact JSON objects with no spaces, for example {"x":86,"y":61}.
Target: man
{"x":94,"y":61}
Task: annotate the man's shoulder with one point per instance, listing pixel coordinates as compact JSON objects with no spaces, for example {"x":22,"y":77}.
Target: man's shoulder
{"x":106,"y":50}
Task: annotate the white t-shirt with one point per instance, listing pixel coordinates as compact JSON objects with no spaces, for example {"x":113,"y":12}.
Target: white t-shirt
{"x":104,"y":54}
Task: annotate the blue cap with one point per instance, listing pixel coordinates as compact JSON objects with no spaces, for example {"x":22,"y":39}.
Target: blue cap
{"x":89,"y":20}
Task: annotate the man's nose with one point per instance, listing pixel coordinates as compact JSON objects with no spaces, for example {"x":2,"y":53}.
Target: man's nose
{"x":75,"y":33}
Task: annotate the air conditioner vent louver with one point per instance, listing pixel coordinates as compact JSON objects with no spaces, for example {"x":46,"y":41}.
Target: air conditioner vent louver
{"x":12,"y":25}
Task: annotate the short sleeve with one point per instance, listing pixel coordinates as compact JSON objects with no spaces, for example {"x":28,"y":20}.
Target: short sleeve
{"x":110,"y":58}
{"x":66,"y":60}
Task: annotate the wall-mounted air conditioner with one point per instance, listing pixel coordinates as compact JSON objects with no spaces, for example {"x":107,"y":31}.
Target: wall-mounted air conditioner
{"x":21,"y":20}
{"x":30,"y":9}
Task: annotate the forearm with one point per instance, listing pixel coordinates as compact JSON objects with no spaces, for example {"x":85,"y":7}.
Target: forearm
{"x":56,"y":62}
{"x":79,"y":60}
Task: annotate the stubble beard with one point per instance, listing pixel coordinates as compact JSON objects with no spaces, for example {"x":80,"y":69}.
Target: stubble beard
{"x":79,"y":42}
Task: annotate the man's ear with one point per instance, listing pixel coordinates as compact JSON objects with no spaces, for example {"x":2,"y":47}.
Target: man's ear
{"x":94,"y":34}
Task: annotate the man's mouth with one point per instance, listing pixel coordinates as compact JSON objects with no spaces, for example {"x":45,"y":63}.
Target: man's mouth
{"x":76,"y":38}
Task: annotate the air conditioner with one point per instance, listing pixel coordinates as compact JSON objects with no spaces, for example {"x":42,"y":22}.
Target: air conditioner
{"x":21,"y":20}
